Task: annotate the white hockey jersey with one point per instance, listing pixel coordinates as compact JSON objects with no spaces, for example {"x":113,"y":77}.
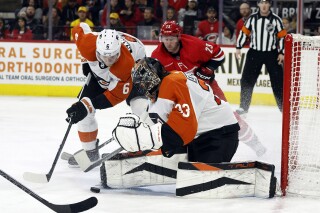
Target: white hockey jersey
{"x":117,"y":78}
{"x":189,"y":106}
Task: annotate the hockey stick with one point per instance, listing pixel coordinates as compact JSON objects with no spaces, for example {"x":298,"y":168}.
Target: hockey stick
{"x":85,"y":163}
{"x":45,"y":178}
{"x":82,"y":158}
{"x":66,"y":155}
{"x":64,"y":208}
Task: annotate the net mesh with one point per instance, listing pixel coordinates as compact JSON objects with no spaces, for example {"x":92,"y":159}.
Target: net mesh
{"x":304,"y":129}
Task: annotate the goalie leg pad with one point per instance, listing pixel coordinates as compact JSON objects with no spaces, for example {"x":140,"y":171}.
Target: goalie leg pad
{"x":146,"y":168}
{"x":225,"y":180}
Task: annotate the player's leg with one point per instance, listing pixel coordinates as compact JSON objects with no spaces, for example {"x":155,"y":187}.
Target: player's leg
{"x":246,"y":133}
{"x":276,"y":77}
{"x":249,"y":77}
{"x":88,"y":127}
{"x":249,"y":137}
{"x":215,"y":146}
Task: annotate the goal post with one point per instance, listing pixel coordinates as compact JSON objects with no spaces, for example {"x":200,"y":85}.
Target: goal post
{"x":300,"y":166}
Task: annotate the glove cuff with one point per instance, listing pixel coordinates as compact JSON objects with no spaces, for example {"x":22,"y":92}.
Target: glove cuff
{"x":88,"y":104}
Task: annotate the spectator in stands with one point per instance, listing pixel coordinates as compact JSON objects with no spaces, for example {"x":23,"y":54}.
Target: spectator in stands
{"x":158,"y":8}
{"x":245,"y":12}
{"x":208,"y":29}
{"x":82,"y":13}
{"x":287,"y":25}
{"x":149,"y":27}
{"x":57,"y":25}
{"x":148,"y":18}
{"x":93,"y":11}
{"x":55,"y":3}
{"x":32,"y":23}
{"x":177,"y":4}
{"x":21,"y":32}
{"x":142,"y":4}
{"x":130,"y":16}
{"x":69,"y":12}
{"x":114,"y":8}
{"x":171,"y":14}
{"x":115,"y":22}
{"x":203,"y":5}
{"x":228,"y":36}
{"x":187,"y":17}
{"x":37,"y":5}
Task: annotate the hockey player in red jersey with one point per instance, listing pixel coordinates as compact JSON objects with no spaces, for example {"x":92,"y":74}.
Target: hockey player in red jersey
{"x":185,"y":112}
{"x":189,"y":54}
{"x":109,"y":57}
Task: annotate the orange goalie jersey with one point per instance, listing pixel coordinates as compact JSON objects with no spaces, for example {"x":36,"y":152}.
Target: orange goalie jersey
{"x":116,"y":80}
{"x":189,"y":106}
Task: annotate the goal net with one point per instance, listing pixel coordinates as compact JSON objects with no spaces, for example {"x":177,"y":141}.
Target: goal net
{"x":300,"y":172}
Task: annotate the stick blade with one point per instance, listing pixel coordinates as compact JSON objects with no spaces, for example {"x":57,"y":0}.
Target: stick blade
{"x":65,"y":156}
{"x":35,"y":178}
{"x":82,"y":159}
{"x":75,"y":207}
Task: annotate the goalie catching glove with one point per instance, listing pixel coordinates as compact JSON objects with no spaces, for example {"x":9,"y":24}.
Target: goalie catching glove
{"x":79,"y":110}
{"x":133,"y":135}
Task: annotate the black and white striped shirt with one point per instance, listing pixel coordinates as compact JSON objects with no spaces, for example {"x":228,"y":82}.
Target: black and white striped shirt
{"x":266,"y":32}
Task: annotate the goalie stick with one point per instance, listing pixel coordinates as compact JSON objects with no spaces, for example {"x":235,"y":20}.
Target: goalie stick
{"x":45,"y":178}
{"x":64,"y":208}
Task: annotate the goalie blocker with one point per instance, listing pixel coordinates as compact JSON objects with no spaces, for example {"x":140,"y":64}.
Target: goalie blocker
{"x":196,"y":180}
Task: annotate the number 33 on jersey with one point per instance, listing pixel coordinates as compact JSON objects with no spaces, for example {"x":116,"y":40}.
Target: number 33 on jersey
{"x":189,"y":106}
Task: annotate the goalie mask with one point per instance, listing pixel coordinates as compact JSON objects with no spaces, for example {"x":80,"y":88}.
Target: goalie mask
{"x":147,"y":77}
{"x":108,"y":46}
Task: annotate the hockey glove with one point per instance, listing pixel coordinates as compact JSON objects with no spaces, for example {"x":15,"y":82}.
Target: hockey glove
{"x":79,"y":110}
{"x":134,"y":135}
{"x":205,"y":73}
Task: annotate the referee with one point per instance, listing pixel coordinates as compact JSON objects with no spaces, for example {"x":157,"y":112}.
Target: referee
{"x":266,"y":47}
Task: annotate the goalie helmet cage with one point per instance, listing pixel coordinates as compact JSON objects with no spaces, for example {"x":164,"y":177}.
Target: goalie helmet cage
{"x":300,"y":168}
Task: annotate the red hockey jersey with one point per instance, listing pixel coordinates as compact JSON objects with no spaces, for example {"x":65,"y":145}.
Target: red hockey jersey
{"x":193,"y":54}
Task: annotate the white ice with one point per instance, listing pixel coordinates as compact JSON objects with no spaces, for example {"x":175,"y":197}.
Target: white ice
{"x":31,"y":131}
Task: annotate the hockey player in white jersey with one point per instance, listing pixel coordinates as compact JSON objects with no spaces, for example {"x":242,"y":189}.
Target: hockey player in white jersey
{"x":186,"y":114}
{"x":108,"y":59}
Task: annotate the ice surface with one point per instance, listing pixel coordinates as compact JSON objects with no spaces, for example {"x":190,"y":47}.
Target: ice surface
{"x":31,"y":131}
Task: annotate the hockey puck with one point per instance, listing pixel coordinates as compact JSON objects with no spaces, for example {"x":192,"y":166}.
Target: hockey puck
{"x":95,"y":189}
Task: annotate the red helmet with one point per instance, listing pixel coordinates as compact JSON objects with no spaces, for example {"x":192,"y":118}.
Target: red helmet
{"x":170,"y":28}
